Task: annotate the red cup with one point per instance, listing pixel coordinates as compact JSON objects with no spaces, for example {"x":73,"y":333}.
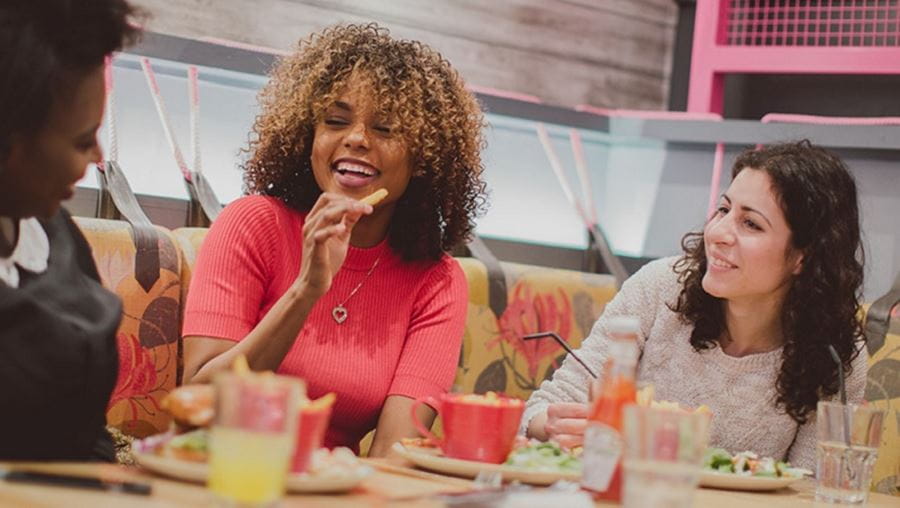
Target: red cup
{"x":311,"y":426}
{"x":477,"y":431}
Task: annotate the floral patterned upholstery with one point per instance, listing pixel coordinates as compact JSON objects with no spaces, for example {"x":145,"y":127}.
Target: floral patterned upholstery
{"x":494,"y":357}
{"x":148,"y":338}
{"x":883,"y":391}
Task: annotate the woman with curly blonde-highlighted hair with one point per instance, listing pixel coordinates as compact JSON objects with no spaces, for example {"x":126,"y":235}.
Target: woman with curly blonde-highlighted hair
{"x":431,"y":112}
{"x":305,"y":276}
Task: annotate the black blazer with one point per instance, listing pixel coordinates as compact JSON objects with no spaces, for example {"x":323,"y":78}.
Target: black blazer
{"x":58,"y":357}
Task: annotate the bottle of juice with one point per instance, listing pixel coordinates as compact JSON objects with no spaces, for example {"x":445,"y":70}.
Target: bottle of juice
{"x":603,"y":444}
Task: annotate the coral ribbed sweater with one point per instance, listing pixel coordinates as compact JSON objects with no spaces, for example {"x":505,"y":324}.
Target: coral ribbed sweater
{"x":403,"y":330}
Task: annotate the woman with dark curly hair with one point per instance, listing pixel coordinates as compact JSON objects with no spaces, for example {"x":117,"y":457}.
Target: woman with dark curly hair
{"x":58,"y":360}
{"x":742,"y":321}
{"x":303,"y":278}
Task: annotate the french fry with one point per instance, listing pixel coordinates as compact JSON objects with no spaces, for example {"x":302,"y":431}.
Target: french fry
{"x":240,"y":365}
{"x":375,"y":197}
{"x":666,"y":404}
{"x":645,"y":398}
{"x":645,"y":395}
{"x":321,"y":403}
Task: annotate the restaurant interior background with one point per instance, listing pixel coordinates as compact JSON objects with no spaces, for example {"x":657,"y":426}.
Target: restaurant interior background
{"x":530,"y":62}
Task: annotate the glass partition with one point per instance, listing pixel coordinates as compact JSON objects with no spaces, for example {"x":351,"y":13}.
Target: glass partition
{"x":227,"y":109}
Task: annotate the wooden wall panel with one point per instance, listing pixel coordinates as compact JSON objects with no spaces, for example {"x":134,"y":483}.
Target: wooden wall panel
{"x":613,"y":53}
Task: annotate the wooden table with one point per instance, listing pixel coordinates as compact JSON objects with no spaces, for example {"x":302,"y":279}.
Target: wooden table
{"x":390,"y":485}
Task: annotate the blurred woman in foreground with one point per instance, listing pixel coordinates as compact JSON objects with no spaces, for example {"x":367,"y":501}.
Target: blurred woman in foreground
{"x":58,"y":358}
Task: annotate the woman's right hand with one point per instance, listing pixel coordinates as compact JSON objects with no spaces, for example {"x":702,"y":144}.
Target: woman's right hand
{"x":565,"y":423}
{"x":326,"y":238}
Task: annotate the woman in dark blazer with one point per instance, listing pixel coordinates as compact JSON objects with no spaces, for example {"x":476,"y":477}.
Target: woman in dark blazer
{"x":58,"y":360}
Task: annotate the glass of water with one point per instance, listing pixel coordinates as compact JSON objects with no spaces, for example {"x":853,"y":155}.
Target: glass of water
{"x":663,"y":453}
{"x":848,"y":439}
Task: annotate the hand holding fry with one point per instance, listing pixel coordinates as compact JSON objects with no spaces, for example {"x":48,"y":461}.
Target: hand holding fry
{"x":326,"y":238}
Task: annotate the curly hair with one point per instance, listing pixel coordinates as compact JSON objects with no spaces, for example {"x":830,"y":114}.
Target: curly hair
{"x":46,"y":49}
{"x":817,"y":194}
{"x":438,"y":119}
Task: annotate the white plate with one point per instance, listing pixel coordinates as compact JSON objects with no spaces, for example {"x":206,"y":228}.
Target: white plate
{"x":429,"y":458}
{"x":297,"y":483}
{"x":738,"y":482}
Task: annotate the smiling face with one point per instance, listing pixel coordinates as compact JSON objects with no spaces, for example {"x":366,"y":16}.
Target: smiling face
{"x":747,"y":242}
{"x":356,"y":151}
{"x":41,"y":170}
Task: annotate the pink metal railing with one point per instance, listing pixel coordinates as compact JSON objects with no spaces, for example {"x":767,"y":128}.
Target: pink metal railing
{"x":789,"y":36}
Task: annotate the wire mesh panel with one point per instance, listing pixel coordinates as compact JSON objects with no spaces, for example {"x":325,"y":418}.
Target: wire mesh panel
{"x":818,"y":23}
{"x":789,"y":37}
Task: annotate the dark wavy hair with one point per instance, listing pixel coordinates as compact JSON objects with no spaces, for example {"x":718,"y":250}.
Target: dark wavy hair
{"x":46,"y":48}
{"x":817,"y":194}
{"x":440,"y":121}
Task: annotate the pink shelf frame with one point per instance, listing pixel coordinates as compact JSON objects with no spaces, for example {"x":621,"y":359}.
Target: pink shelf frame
{"x":713,"y":57}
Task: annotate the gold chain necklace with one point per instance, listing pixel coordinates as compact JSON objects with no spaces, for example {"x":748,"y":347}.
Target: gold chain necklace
{"x":339,"y":312}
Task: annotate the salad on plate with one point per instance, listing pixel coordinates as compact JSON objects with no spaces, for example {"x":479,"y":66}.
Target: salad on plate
{"x":748,"y":463}
{"x":544,"y":456}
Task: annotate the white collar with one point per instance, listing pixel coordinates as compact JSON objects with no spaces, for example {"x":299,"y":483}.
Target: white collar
{"x":31,"y":252}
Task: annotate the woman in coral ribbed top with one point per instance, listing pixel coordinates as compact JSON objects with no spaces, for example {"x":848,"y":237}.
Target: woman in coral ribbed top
{"x":305,"y":279}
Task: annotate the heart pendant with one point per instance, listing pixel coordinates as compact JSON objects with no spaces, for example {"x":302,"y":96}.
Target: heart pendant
{"x":339,"y":314}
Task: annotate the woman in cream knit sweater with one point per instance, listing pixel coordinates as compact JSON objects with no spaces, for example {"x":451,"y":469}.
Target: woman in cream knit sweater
{"x":741,"y":322}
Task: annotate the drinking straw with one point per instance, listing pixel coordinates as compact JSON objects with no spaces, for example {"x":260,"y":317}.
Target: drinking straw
{"x":557,"y":338}
{"x":840,"y":366}
{"x":843,"y":390}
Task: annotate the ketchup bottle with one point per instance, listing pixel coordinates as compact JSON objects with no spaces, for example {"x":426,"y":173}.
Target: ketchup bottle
{"x":603,"y":443}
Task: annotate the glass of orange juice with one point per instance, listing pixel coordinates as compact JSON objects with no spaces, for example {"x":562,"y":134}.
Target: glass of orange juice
{"x":252,"y":438}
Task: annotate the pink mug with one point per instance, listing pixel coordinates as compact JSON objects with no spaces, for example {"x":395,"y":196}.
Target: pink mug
{"x":474,"y":429}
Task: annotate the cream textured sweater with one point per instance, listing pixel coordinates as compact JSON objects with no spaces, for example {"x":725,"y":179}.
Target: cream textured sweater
{"x":739,"y":391}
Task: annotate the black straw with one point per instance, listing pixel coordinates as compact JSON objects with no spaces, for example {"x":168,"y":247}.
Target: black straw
{"x":843,"y":389}
{"x":840,"y":366}
{"x":557,"y":338}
